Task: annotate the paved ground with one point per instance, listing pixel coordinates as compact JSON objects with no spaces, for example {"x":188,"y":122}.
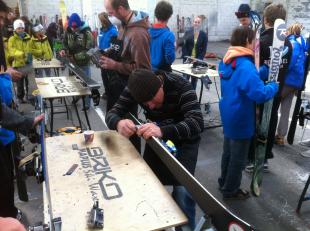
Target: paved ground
{"x":274,"y":210}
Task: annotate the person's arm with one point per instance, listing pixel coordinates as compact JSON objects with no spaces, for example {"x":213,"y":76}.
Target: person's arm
{"x":120,"y":109}
{"x":13,"y":51}
{"x":35,"y":51}
{"x":192,"y":124}
{"x":140,"y":55}
{"x":12,"y":120}
{"x":169,"y":50}
{"x":10,"y":224}
{"x":254,"y":87}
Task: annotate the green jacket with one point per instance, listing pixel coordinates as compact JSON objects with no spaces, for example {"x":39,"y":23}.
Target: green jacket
{"x":18,"y":49}
{"x":40,"y":48}
{"x":78,"y":43}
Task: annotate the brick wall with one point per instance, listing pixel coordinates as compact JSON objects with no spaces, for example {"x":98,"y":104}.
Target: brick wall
{"x":220,"y":13}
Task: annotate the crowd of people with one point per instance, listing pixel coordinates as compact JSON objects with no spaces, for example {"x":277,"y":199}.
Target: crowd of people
{"x":136,"y":70}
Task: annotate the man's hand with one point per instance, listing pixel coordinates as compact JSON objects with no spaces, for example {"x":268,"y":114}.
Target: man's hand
{"x":126,"y":128}
{"x":15,"y":75}
{"x":10,"y":224}
{"x":149,"y":129}
{"x":62,"y":53}
{"x":38,"y":119}
{"x":107,"y":63}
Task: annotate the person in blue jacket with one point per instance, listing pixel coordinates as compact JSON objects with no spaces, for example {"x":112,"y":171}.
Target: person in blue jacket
{"x":241,"y":88}
{"x":294,"y":78}
{"x":194,"y":43}
{"x":162,"y":45}
{"x":108,"y":32}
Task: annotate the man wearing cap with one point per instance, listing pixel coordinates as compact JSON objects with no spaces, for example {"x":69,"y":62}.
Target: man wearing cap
{"x":171,"y":104}
{"x":77,"y":41}
{"x":19,"y":54}
{"x":40,"y":48}
{"x":247,"y":17}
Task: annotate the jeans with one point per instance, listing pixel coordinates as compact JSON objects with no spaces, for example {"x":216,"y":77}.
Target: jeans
{"x":187,"y":152}
{"x":233,"y":162}
{"x":86,"y":69}
{"x":186,"y":203}
{"x":40,"y":72}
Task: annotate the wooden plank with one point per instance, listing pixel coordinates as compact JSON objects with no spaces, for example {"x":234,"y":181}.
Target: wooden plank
{"x":186,"y":69}
{"x":64,"y":86}
{"x":41,"y":64}
{"x":111,"y":170}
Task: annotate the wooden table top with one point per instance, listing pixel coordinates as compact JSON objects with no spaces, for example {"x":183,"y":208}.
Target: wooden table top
{"x":63,"y":86}
{"x":41,"y":64}
{"x":186,"y":69}
{"x":112,"y":171}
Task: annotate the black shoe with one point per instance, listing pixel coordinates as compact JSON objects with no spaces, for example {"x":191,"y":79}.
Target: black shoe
{"x":86,"y":108}
{"x":22,"y":101}
{"x":239,"y":195}
{"x":104,"y":96}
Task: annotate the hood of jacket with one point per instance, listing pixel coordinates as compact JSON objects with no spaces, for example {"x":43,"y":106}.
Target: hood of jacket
{"x":138,"y":20}
{"x":39,"y":40}
{"x":227,"y":67}
{"x":156,"y":32}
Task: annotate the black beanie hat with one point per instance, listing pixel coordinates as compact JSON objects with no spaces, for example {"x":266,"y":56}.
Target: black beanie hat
{"x":143,"y":85}
{"x":243,"y":11}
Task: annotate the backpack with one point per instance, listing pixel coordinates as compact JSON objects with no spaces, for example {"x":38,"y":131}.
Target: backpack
{"x":296,"y":69}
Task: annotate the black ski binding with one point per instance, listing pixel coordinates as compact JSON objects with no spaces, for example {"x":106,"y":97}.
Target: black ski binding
{"x":95,"y":217}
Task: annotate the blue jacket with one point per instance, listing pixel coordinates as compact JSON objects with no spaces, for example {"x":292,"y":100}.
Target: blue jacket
{"x":6,"y":136}
{"x":241,"y":87}
{"x":106,"y":35}
{"x":296,"y":70}
{"x":162,"y":48}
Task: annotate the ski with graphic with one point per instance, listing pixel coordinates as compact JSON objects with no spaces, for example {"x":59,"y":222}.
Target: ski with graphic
{"x":63,"y":13}
{"x":257,"y":46}
{"x":298,"y":113}
{"x":263,"y":127}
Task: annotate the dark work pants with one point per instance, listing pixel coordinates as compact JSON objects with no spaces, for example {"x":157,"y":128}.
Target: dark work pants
{"x":187,"y":153}
{"x":233,"y":162}
{"x":104,"y":76}
{"x":7,"y":207}
{"x":21,"y":84}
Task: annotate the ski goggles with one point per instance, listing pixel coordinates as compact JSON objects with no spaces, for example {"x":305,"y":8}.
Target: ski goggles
{"x":242,"y":14}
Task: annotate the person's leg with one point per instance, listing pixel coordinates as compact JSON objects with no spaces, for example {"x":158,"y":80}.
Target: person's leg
{"x":39,"y":73}
{"x":286,"y":104}
{"x":7,"y":207}
{"x":224,"y":162}
{"x":194,"y":82}
{"x":20,"y":89}
{"x":86,"y":69}
{"x":104,"y":77}
{"x":238,"y":154}
{"x":47,"y":72}
{"x":186,"y":203}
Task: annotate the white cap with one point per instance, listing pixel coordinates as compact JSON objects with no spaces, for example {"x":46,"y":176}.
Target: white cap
{"x":38,"y":28}
{"x":18,"y":23}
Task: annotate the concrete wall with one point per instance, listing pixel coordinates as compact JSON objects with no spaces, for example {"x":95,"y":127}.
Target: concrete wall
{"x":220,"y":13}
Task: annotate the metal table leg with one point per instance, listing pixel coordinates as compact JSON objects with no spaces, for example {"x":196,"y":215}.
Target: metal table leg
{"x":85,"y":112}
{"x":201,"y":90}
{"x":66,"y":108}
{"x":77,"y":112}
{"x":52,"y":117}
{"x":302,"y":196}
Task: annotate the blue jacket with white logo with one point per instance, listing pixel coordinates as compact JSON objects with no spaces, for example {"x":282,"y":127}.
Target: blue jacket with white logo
{"x":106,"y":35}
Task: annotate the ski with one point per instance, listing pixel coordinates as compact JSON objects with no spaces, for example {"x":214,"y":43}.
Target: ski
{"x":221,"y":218}
{"x":88,"y":82}
{"x":296,"y":113}
{"x":263,"y":127}
{"x":257,"y":46}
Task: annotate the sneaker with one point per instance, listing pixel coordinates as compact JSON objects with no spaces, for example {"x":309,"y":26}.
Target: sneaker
{"x":249,"y":168}
{"x":19,"y":215}
{"x":279,"y":140}
{"x":241,"y":194}
{"x":266,"y":167}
